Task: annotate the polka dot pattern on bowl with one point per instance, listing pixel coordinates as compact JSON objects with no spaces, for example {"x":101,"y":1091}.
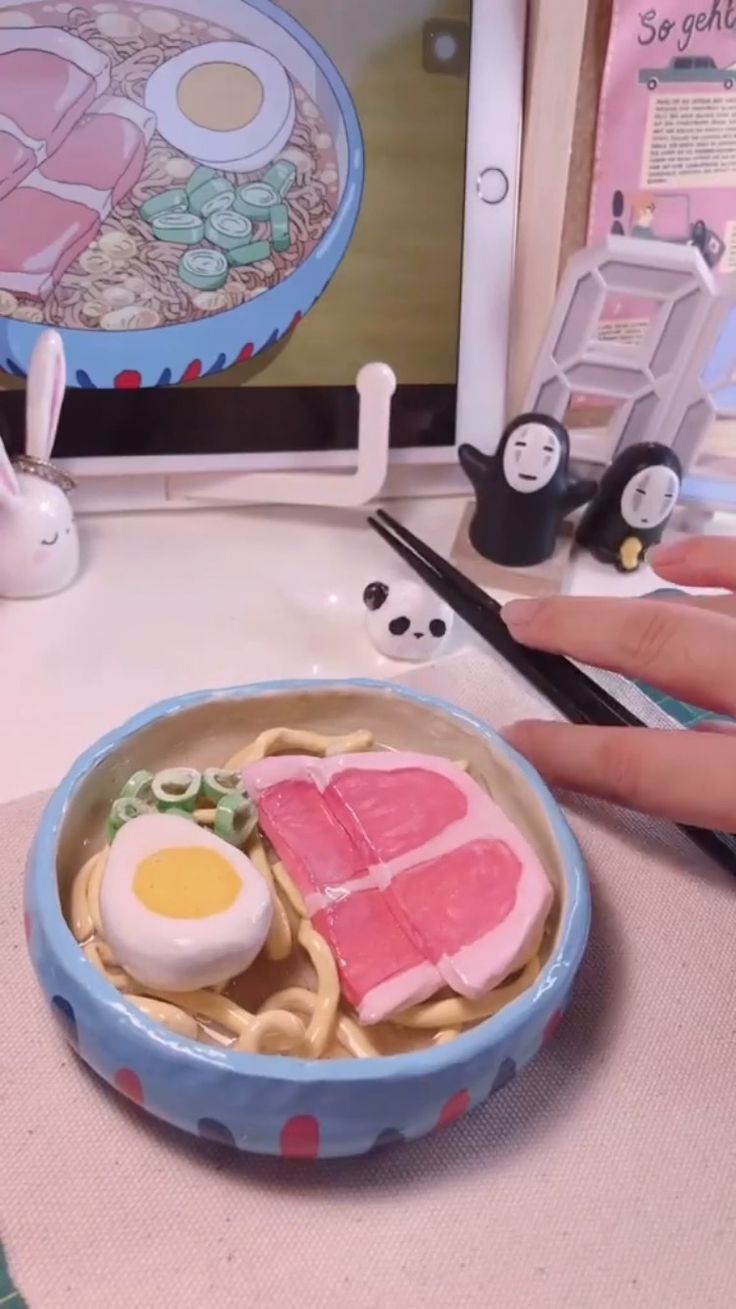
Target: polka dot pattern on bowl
{"x":300,"y":1138}
{"x":129,"y":1083}
{"x":211,"y":1130}
{"x":454,"y":1109}
{"x":64,"y":1013}
{"x":389,"y":1137}
{"x":552,"y":1027}
{"x":505,"y":1074}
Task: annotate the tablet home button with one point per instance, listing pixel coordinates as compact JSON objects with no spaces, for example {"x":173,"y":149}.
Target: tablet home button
{"x":493,"y":186}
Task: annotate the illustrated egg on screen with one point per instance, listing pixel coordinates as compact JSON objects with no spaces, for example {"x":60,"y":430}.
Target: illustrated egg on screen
{"x":181,"y":908}
{"x":227,"y":104}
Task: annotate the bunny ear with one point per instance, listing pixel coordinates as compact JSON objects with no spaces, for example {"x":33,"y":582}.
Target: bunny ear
{"x":9,"y":489}
{"x":44,"y":395}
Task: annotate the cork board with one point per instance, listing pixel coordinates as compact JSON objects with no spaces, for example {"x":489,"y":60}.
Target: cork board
{"x":575,"y":230}
{"x":595,"y":47}
{"x":566,"y":56}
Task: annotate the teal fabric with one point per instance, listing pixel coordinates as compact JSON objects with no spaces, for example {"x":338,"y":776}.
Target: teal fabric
{"x":10,"y":1297}
{"x":686,"y":715}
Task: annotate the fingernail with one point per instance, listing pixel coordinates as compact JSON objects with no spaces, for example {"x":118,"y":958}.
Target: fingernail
{"x":667,"y":554}
{"x":518,"y":613}
{"x":509,"y":734}
{"x":517,"y":734}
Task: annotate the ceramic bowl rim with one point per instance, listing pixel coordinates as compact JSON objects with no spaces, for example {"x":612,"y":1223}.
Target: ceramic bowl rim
{"x":494,"y":1032}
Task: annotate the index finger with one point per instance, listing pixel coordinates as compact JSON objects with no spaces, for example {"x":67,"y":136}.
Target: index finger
{"x":688,"y":652}
{"x":699,"y":561}
{"x":685,"y":776}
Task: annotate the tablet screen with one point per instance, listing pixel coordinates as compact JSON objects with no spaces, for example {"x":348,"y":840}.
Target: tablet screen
{"x":234,"y":196}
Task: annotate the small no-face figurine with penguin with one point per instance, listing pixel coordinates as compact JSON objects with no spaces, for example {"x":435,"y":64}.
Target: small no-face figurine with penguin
{"x":632,"y":505}
{"x":405,"y":620}
{"x":39,"y":546}
{"x":523,"y":491}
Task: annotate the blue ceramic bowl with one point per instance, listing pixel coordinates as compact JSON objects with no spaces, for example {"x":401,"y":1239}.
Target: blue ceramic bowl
{"x":184,"y":352}
{"x":268,"y":1104}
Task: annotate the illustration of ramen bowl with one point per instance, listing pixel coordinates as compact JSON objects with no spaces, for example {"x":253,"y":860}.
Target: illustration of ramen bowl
{"x":273,"y":1103}
{"x":188,"y":199}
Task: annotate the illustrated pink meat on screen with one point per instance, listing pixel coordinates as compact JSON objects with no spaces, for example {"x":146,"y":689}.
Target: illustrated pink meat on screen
{"x":68,"y":154}
{"x":413,"y":874}
{"x":48,"y":80}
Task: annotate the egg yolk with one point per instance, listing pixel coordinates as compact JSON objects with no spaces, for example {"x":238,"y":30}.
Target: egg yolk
{"x":220,"y":97}
{"x":186,"y":882}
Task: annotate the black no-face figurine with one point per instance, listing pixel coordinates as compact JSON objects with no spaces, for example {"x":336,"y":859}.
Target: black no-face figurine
{"x":630,"y":509}
{"x":523,"y":491}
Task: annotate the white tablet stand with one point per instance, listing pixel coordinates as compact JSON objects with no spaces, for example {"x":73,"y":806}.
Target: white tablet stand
{"x":376,"y":385}
{"x":670,"y":386}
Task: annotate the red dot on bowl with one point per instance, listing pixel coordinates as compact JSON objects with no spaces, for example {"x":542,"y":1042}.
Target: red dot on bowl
{"x":300,"y":1138}
{"x":245,"y":353}
{"x":454,"y":1109}
{"x":193,"y":371}
{"x":295,"y":320}
{"x":129,"y":1083}
{"x":551,"y":1029}
{"x":27,"y":926}
{"x":129,"y":380}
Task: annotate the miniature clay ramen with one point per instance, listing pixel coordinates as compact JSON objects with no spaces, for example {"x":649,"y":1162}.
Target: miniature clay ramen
{"x":306,"y":918}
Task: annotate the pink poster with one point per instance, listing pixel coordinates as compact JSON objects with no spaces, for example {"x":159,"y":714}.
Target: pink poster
{"x":666,"y":148}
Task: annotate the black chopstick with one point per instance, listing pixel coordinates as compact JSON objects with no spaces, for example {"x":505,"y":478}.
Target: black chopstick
{"x":575,"y":695}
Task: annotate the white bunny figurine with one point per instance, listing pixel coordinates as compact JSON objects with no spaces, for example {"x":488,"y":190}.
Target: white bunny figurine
{"x":39,"y":545}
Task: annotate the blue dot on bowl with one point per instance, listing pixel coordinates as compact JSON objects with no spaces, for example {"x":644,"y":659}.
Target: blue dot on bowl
{"x":218,"y":366}
{"x":165,"y":378}
{"x":12,"y":367}
{"x":388,"y":1137}
{"x":84,"y":381}
{"x":212,"y":1130}
{"x":505,"y":1074}
{"x":273,"y":338}
{"x":63,"y":1011}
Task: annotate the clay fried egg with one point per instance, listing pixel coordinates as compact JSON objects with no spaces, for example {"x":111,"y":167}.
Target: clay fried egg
{"x":180,"y":908}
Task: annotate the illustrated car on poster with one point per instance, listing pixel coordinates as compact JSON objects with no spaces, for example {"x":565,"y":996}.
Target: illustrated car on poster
{"x":688,"y":68}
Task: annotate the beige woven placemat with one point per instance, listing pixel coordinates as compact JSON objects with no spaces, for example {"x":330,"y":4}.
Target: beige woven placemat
{"x":606,"y":1175}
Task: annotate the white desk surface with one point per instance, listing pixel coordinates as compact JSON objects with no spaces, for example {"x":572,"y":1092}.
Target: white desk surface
{"x":179,"y":601}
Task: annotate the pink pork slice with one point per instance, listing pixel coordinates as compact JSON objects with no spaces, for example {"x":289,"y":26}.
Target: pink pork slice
{"x":58,"y":210}
{"x":465,"y":887}
{"x":48,"y":79}
{"x":382,"y":970}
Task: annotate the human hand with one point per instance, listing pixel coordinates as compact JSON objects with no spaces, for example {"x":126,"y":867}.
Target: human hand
{"x":686,"y":647}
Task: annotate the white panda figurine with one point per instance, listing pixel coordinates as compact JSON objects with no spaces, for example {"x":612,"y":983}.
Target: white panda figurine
{"x":405,"y":620}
